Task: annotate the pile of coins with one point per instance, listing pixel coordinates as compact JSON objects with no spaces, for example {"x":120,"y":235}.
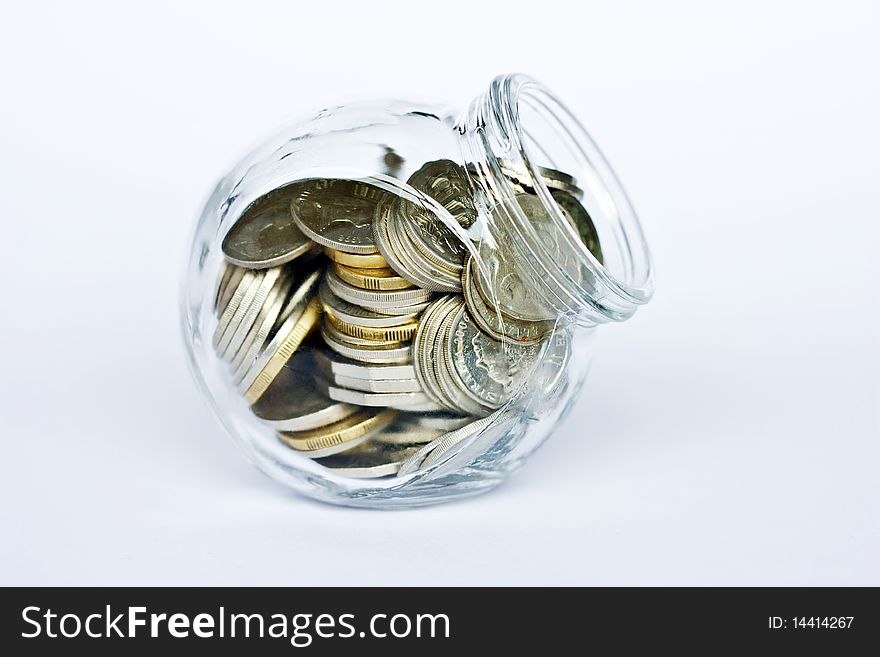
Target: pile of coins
{"x":360,"y":326}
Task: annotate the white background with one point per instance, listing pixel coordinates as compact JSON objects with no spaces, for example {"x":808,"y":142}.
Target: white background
{"x":728,"y":434}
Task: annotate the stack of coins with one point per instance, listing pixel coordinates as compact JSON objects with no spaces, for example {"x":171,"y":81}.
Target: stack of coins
{"x":367,"y":330}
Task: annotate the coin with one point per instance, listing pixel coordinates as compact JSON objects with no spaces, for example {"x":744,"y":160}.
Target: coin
{"x":436,"y":240}
{"x":390,"y":333}
{"x":335,"y":365}
{"x":334,"y":333}
{"x":372,"y":261}
{"x":244,"y":326}
{"x":506,"y":285}
{"x":577,"y":214}
{"x":285,"y":351}
{"x":492,"y":322}
{"x":355,"y":314}
{"x":222,"y":281}
{"x":229,"y":288}
{"x":424,"y":344}
{"x":290,"y":314}
{"x":292,"y":402}
{"x":376,"y":385}
{"x":552,"y":237}
{"x":399,"y":311}
{"x":445,"y":444}
{"x":244,"y":291}
{"x":339,"y":436}
{"x":382,"y":299}
{"x":337,"y":213}
{"x":372,"y":279}
{"x":382,"y":399}
{"x":422,"y":269}
{"x":452,"y":385}
{"x":377,"y":355}
{"x":259,"y":333}
{"x":490,"y":371}
{"x":265,"y":234}
{"x":442,"y":444}
{"x":370,"y":460}
{"x":447,"y":182}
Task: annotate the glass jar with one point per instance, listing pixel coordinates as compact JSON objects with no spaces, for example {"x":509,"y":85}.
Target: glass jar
{"x":392,"y":304}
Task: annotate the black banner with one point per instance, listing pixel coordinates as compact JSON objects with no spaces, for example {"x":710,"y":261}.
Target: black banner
{"x":435,"y":621}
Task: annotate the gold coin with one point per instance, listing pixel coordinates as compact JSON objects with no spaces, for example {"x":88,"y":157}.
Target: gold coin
{"x":343,"y":433}
{"x":399,"y":333}
{"x":372,"y":279}
{"x":372,"y":261}
{"x":285,"y":351}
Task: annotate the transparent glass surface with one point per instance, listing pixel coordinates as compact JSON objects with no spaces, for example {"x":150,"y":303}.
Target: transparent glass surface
{"x":392,"y":304}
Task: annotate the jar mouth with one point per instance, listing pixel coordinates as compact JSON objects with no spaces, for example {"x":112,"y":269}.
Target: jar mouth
{"x":534,"y":131}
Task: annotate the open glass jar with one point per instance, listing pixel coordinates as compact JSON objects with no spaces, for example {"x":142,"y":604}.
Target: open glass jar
{"x":392,"y":304}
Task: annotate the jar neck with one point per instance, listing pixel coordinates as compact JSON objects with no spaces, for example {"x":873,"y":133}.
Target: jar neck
{"x":518,"y":125}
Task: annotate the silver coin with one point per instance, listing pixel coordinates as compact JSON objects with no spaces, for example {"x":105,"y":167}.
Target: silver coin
{"x":265,"y":234}
{"x":422,"y":268}
{"x":383,"y":299}
{"x":267,"y":284}
{"x":397,"y":355}
{"x":293,"y":401}
{"x":238,"y":305}
{"x":435,"y":239}
{"x":295,"y":307}
{"x":229,"y":288}
{"x":335,"y":365}
{"x":222,"y":280}
{"x":370,"y":460}
{"x":446,"y":444}
{"x":489,"y":371}
{"x":492,"y":322}
{"x":452,"y":385}
{"x":552,"y":237}
{"x":397,"y":247}
{"x":447,"y":182}
{"x":424,"y":344}
{"x":447,"y":441}
{"x":381,"y":399}
{"x":377,"y":385}
{"x":506,"y":285}
{"x":337,"y":213}
{"x":259,"y":333}
{"x":355,"y":314}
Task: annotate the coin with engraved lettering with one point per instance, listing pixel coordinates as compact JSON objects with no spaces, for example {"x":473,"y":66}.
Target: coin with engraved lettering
{"x":489,"y":370}
{"x":337,"y":213}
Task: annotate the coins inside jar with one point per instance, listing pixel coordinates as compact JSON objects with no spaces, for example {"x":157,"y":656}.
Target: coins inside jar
{"x":371,"y":331}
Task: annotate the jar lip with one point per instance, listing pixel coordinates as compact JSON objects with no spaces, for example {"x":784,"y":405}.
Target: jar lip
{"x":505,"y":96}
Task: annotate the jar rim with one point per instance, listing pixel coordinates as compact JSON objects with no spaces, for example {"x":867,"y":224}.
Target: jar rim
{"x":634,"y":285}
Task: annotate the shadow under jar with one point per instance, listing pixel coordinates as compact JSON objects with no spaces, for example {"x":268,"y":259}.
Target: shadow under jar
{"x":391,"y":304}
